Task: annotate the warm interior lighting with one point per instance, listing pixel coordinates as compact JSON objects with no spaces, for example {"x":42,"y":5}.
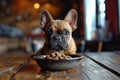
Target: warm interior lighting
{"x":47,"y":6}
{"x":36,"y":5}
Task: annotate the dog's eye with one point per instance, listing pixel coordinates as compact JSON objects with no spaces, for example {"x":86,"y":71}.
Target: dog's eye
{"x":49,"y":31}
{"x":65,"y":32}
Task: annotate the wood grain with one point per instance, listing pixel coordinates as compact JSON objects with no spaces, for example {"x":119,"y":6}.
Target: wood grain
{"x":110,"y":60}
{"x":10,"y":64}
{"x":22,"y":67}
{"x":88,"y":70}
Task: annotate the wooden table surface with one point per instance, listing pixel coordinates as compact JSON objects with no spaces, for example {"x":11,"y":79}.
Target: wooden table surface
{"x":94,"y":66}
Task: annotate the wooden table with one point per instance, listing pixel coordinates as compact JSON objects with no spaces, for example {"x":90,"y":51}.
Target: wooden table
{"x":94,"y":66}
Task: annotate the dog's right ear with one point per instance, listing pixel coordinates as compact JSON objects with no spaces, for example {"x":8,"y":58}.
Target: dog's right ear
{"x":45,"y":18}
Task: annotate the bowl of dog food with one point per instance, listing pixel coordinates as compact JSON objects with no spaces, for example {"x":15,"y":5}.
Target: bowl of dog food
{"x":58,"y":61}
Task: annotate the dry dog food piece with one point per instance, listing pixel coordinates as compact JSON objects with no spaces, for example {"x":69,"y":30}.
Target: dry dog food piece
{"x":57,"y":56}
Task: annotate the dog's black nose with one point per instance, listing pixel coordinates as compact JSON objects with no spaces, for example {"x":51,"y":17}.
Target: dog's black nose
{"x":57,"y":38}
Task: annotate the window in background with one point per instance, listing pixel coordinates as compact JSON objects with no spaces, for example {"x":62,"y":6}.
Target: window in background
{"x":119,"y":14}
{"x":100,"y":13}
{"x":95,"y":17}
{"x":90,"y":18}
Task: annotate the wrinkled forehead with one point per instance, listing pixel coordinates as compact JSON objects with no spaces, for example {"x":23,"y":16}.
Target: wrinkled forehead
{"x":59,"y":25}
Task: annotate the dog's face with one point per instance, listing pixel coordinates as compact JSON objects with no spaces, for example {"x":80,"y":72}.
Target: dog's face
{"x":58,"y":32}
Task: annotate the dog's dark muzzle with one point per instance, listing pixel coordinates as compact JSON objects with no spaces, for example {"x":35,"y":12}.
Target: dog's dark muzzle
{"x":58,"y":42}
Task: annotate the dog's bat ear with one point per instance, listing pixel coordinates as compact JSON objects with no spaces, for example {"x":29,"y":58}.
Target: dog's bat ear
{"x":71,"y":18}
{"x":45,"y":18}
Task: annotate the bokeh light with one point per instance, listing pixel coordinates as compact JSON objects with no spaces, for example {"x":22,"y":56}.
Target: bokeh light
{"x":36,"y":5}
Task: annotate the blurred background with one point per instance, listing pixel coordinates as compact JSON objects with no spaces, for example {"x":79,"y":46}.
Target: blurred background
{"x":98,"y":26}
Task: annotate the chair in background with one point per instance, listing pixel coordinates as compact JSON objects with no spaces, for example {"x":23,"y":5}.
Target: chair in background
{"x":90,"y":46}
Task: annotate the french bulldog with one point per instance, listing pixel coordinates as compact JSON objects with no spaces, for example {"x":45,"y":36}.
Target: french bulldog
{"x":58,"y":33}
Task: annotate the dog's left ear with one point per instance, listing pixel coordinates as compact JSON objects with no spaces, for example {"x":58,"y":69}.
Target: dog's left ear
{"x":71,"y":18}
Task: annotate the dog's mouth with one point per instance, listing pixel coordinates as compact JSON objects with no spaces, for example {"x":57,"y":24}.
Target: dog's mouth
{"x":59,"y":46}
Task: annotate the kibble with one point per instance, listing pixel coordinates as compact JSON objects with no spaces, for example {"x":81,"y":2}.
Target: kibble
{"x":57,"y":56}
